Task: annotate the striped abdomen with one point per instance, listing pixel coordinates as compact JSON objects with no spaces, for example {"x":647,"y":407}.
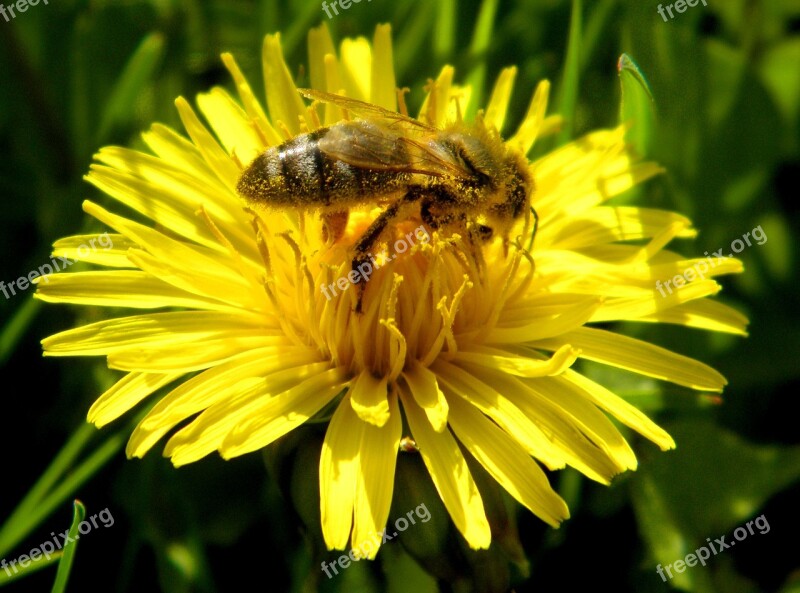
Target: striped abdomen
{"x":299,"y":174}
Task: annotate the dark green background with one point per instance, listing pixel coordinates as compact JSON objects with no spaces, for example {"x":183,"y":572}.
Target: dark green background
{"x":75,"y":76}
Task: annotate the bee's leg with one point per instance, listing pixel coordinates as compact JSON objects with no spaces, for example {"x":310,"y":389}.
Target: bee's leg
{"x":362,"y":261}
{"x":438,"y":209}
{"x":334,"y":225}
{"x":431,"y":216}
{"x":475,"y":235}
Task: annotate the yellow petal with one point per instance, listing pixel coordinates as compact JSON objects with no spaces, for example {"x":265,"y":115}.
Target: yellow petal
{"x":507,"y":462}
{"x":175,"y":151}
{"x":540,"y":320}
{"x":125,"y":394}
{"x":501,"y":94}
{"x":499,"y":408}
{"x":320,"y":44}
{"x":338,"y":475}
{"x":215,"y":385}
{"x":451,"y":476}
{"x":220,"y":162}
{"x":194,"y":356}
{"x":607,"y":224}
{"x":377,"y":460}
{"x":269,"y":419}
{"x":105,"y":249}
{"x":703,"y":314}
{"x":334,"y":84}
{"x":120,"y":288}
{"x":263,"y":410}
{"x":531,"y":125}
{"x":251,"y":104}
{"x":434,"y":107}
{"x":186,"y":266}
{"x":383,"y":84}
{"x":584,"y":439}
{"x":283,"y":100}
{"x":621,"y":410}
{"x":651,"y":303}
{"x":182,"y":198}
{"x":145,"y":331}
{"x":356,"y":68}
{"x":231,"y":124}
{"x":520,"y":366}
{"x":640,"y":357}
{"x":575,"y":404}
{"x":424,"y":388}
{"x":369,"y":398}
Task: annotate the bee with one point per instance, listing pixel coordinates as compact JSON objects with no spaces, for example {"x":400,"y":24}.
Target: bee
{"x":461,"y":179}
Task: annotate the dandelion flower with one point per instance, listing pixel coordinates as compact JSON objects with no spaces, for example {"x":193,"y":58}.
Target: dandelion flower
{"x":456,"y":353}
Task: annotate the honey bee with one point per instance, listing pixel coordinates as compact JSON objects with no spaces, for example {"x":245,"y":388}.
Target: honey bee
{"x":461,"y":179}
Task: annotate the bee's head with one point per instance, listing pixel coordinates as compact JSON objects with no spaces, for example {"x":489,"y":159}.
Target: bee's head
{"x":512,"y":200}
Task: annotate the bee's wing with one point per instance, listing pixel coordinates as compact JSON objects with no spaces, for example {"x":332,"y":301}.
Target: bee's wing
{"x":392,"y":119}
{"x":366,"y":145}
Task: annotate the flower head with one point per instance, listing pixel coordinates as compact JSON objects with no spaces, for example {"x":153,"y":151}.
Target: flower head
{"x":461,"y":345}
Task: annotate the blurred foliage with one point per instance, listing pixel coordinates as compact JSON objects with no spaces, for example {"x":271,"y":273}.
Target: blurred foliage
{"x":724,"y":120}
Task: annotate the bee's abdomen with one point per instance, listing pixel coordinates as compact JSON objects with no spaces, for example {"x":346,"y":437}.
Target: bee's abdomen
{"x":298,"y":173}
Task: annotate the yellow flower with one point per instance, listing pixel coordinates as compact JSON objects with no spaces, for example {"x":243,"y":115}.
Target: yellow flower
{"x":448,"y":349}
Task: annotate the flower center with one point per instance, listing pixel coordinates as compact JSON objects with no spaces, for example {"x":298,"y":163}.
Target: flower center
{"x":421,"y":293}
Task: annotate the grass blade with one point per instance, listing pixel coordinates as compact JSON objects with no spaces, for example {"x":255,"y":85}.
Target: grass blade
{"x":65,"y":565}
{"x":129,"y":85}
{"x":568,"y":93}
{"x":637,"y":107}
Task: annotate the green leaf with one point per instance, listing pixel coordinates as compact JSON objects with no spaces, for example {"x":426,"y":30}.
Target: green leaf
{"x":16,"y":327}
{"x":444,"y":41}
{"x":727,"y":67}
{"x":403,"y":573}
{"x":65,"y":565}
{"x":25,"y":517}
{"x":481,"y":40}
{"x":60,"y":481}
{"x":7,"y":576}
{"x":129,"y":85}
{"x":637,"y":107}
{"x":568,"y":92}
{"x":711,"y":484}
{"x":782,"y":80}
